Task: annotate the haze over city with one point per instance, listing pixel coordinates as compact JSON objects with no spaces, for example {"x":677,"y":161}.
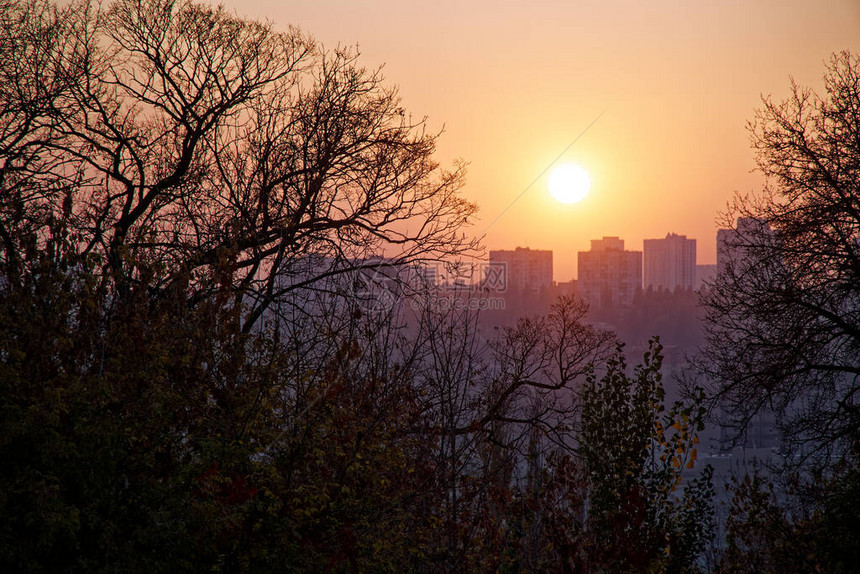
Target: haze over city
{"x":513,"y":83}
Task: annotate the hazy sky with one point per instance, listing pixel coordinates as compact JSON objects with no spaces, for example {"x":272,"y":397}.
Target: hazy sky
{"x":513,"y":83}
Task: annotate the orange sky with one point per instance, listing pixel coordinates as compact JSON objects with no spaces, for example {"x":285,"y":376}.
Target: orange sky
{"x":514,"y":82}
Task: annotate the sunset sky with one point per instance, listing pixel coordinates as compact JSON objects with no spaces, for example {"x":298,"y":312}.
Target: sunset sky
{"x":513,"y":83}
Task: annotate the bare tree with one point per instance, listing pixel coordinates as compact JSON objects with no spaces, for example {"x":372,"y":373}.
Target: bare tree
{"x":783,"y":317}
{"x":201,"y":148}
{"x":35,"y":37}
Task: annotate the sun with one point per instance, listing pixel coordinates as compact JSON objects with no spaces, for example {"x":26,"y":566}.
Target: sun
{"x":569,"y":183}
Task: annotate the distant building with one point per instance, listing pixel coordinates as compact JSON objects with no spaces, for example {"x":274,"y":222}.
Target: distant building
{"x":527,"y":271}
{"x":732,"y":243}
{"x":669,"y":263}
{"x":760,"y":431}
{"x":609,"y":276}
{"x":705,"y":274}
{"x":424,"y":275}
{"x":567,"y":288}
{"x":733,"y":249}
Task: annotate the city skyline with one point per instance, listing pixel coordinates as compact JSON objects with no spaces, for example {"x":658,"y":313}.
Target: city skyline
{"x":689,"y":277}
{"x":514,"y":84}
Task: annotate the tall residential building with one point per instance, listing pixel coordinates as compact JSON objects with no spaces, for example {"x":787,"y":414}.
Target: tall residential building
{"x":733,"y":249}
{"x":527,"y":271}
{"x":609,"y":276}
{"x":705,"y":274}
{"x":733,"y":243}
{"x":669,"y":263}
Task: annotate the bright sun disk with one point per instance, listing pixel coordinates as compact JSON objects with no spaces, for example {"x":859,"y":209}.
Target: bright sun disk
{"x":569,"y":183}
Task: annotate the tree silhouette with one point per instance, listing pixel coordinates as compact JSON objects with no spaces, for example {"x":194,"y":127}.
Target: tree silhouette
{"x":783,"y":317}
{"x":171,"y":139}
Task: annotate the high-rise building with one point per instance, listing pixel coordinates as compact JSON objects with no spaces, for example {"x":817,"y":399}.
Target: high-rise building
{"x":609,"y":276}
{"x":732,"y":244}
{"x":669,"y":263}
{"x":735,"y":247}
{"x":527,"y":271}
{"x":705,"y":275}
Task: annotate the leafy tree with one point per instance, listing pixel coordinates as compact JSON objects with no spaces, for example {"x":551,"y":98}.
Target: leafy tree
{"x":771,"y":528}
{"x":104,"y":426}
{"x":612,"y":499}
{"x":763,"y":535}
{"x":159,"y":436}
{"x":634,"y":452}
